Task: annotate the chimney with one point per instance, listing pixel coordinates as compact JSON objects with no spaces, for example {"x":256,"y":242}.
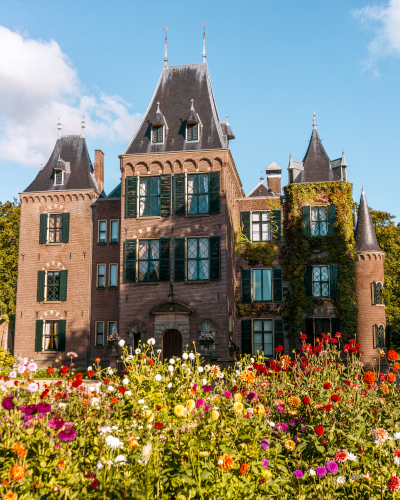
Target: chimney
{"x":273,"y":172}
{"x":99,"y":168}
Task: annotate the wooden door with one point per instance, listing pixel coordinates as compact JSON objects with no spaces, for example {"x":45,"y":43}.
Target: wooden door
{"x":172,"y":344}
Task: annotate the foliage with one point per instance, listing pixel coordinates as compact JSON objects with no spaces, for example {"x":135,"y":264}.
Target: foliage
{"x":6,"y":359}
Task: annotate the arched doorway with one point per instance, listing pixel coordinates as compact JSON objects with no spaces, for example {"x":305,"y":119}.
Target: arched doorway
{"x":172,"y":344}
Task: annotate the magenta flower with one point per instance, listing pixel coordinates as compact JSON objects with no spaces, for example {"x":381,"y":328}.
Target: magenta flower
{"x":281,"y":408}
{"x":43,"y":407}
{"x":7,"y":403}
{"x":264,"y":444}
{"x":67,"y":435}
{"x":207,"y":408}
{"x":332,"y":467}
{"x":199,"y":403}
{"x":28,"y":409}
{"x":251,"y":396}
{"x":207,"y":388}
{"x":320,"y":471}
{"x":56,"y":423}
{"x":264,"y":463}
{"x":281,"y":427}
{"x":298,"y":473}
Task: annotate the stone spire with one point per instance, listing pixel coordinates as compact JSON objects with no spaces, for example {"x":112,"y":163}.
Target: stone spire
{"x":166,"y":47}
{"x":343,"y":162}
{"x":314,"y":126}
{"x":365,"y":233}
{"x":204,"y":44}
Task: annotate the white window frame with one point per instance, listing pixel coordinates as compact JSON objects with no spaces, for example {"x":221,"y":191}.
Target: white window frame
{"x":48,"y":242}
{"x":251,"y":225}
{"x":198,"y":132}
{"x":273,"y":335}
{"x":326,"y":221}
{"x":98,"y":232}
{"x":109,"y":275}
{"x":45,"y":286}
{"x":56,"y":170}
{"x":187,"y":258}
{"x":138,"y":197}
{"x":111,"y":222}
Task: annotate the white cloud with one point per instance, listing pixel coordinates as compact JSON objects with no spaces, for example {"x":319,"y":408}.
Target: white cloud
{"x":39,"y":84}
{"x":384,"y":22}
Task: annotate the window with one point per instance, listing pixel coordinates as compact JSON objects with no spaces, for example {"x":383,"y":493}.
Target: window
{"x":112,"y":327}
{"x":50,"y":336}
{"x":198,"y":194}
{"x":192,"y":132}
{"x":319,"y":223}
{"x":55,"y":228}
{"x":99,"y":333}
{"x":262,"y":285}
{"x":380,"y":337}
{"x":291,"y":176}
{"x":149,"y":196}
{"x":101,"y":276}
{"x":53,"y":286}
{"x":149,"y":260}
{"x":377,"y":288}
{"x":322,"y":325}
{"x":102,"y":231}
{"x":198,"y":259}
{"x":114,"y":231}
{"x":157,"y":134}
{"x":58,"y":177}
{"x":263,"y":337}
{"x":315,"y":327}
{"x":113,"y":275}
{"x":260,"y":226}
{"x":320,"y":281}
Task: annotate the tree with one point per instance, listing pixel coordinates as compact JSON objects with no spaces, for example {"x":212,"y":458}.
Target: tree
{"x":9,"y":238}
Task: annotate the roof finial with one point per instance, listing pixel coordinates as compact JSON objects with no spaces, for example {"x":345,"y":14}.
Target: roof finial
{"x":261,"y":178}
{"x":83,"y":126}
{"x":362,"y":189}
{"x":59,"y":125}
{"x":204,"y":43}
{"x":192,"y":101}
{"x":227,"y":119}
{"x":314,"y":123}
{"x":158,"y":107}
{"x":290,"y":155}
{"x":166,"y":46}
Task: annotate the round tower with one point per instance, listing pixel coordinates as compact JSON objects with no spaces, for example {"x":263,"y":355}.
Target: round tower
{"x":369,"y":271}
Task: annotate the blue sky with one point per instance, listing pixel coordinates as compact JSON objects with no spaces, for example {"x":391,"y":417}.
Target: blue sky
{"x":272,"y":63}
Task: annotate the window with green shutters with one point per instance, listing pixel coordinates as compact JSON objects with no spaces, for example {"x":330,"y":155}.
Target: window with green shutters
{"x":262,"y":336}
{"x":319,"y":220}
{"x":50,"y":335}
{"x":321,"y":281}
{"x":149,"y":196}
{"x":197,"y":194}
{"x":130,"y":261}
{"x":54,"y":228}
{"x":377,"y":287}
{"x":262,"y":226}
{"x":52,"y":286}
{"x":192,"y":132}
{"x":157,"y":134}
{"x":197,"y":259}
{"x":261,"y":285}
{"x":131,"y":183}
{"x":147,"y":260}
{"x":198,"y":198}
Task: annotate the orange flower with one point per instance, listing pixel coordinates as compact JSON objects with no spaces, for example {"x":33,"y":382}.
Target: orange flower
{"x":369,"y":377}
{"x":225,"y":462}
{"x":248,"y":377}
{"x":133,"y":443}
{"x":391,"y":378}
{"x":17,"y":472}
{"x":244,"y":468}
{"x":294,"y":401}
{"x":19,"y":449}
{"x":10,"y":496}
{"x":4,"y":481}
{"x":396,"y":367}
{"x":385,"y":389}
{"x":50,"y":370}
{"x":61,"y":465}
{"x":114,"y":400}
{"x":392,"y":355}
{"x":150,"y":361}
{"x":97,"y":360}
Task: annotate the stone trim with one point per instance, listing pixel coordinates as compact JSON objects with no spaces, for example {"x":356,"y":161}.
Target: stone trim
{"x":161,"y":327}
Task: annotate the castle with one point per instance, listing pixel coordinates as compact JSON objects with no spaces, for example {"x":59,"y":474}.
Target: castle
{"x":177,"y":249}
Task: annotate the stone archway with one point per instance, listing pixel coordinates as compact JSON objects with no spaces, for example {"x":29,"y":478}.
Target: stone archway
{"x":171,"y":344}
{"x":171,"y":316}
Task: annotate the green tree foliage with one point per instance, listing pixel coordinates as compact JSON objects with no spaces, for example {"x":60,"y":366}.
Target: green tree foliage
{"x":9,"y":236}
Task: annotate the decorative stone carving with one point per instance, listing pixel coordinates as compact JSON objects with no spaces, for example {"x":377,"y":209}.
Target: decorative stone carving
{"x":134,"y":331}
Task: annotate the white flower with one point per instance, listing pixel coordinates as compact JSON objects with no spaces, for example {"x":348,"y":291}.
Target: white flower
{"x":185,"y":355}
{"x":396,"y":435}
{"x":141,"y":401}
{"x":146,"y":453}
{"x":200,"y":369}
{"x":189,"y":371}
{"x":99,"y":465}
{"x":251,"y":360}
{"x":149,"y":426}
{"x":158,"y":377}
{"x":12,"y":374}
{"x":352,"y":457}
{"x":128,"y":393}
{"x":183,"y":365}
{"x":137,"y":351}
{"x":311,"y":472}
{"x":220,"y":461}
{"x":129,"y":358}
{"x":4,"y":387}
{"x":204,"y":381}
{"x":95,"y":402}
{"x":104,"y":429}
{"x":113,"y":442}
{"x":221,"y":375}
{"x":191,"y":355}
{"x":397,"y":460}
{"x":158,"y":351}
{"x":121,"y":343}
{"x":32,"y":367}
{"x":110,"y":388}
{"x":151,"y":341}
{"x":125,"y":381}
{"x":169,"y":385}
{"x":120,"y":460}
{"x":72,"y":354}
{"x":271,"y":424}
{"x":62,"y":405}
{"x":115,"y":428}
{"x":21,"y":369}
{"x":33,"y":387}
{"x":341,"y":480}
{"x":170,"y":368}
{"x":172,"y":361}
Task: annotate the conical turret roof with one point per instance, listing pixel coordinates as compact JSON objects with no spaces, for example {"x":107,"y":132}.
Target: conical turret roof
{"x":365,"y":232}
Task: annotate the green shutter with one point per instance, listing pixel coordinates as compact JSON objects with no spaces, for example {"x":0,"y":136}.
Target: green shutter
{"x":40,"y":287}
{"x":43,"y":229}
{"x":310,"y":329}
{"x":39,"y":336}
{"x":331,"y":219}
{"x":245,"y":223}
{"x":246,"y":286}
{"x":65,"y":228}
{"x":276,"y":225}
{"x":306,"y":220}
{"x":278,"y":333}
{"x":333,"y":270}
{"x":335,"y":326}
{"x":375,"y":339}
{"x":215,"y":257}
{"x":179,"y":259}
{"x":130,"y":261}
{"x":164,"y":259}
{"x":247,"y":345}
{"x":215,"y":187}
{"x":180,"y":194}
{"x":61,"y":334}
{"x":165,"y":197}
{"x":277,"y":285}
{"x":308,"y":281}
{"x":131,"y":196}
{"x":63,"y":285}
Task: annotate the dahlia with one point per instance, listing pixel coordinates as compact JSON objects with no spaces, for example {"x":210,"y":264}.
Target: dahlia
{"x":146,"y":453}
{"x":215,"y":371}
{"x":247,"y":377}
{"x":332,"y":467}
{"x":7,"y":403}
{"x":394,"y":483}
{"x":17,"y":472}
{"x":19,"y":449}
{"x":369,"y":377}
{"x":225,"y":462}
{"x":396,"y":367}
{"x":214,"y":415}
{"x":341,"y":456}
{"x":244,"y":468}
{"x":190,"y":404}
{"x":391,"y":378}
{"x":264,"y":444}
{"x":392,"y":355}
{"x":294,"y":401}
{"x":298,"y":473}
{"x":290,"y":445}
{"x":335,"y":398}
{"x":380,"y":435}
{"x":238,"y":407}
{"x":199,"y":403}
{"x":180,"y":411}
{"x":67,"y":434}
{"x":264,"y":463}
{"x":10,"y":496}
{"x":320,"y":471}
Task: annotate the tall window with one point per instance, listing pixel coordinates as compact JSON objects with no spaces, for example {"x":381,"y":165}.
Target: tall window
{"x":198,"y":194}
{"x":149,"y":197}
{"x":157,"y":134}
{"x":322,"y":325}
{"x":198,"y":253}
{"x":50,"y":337}
{"x":53,"y":286}
{"x":319,"y":223}
{"x":192,"y":132}
{"x":263,"y":337}
{"x":149,"y":260}
{"x":55,"y":228}
{"x":114,"y":231}
{"x":101,"y":275}
{"x":320,"y":275}
{"x":58,"y":177}
{"x":102,"y":231}
{"x":261,"y":226}
{"x":262,"y":285}
{"x":113,"y":275}
{"x":112,"y":327}
{"x":377,"y":290}
{"x":100,"y":333}
{"x":380,"y":338}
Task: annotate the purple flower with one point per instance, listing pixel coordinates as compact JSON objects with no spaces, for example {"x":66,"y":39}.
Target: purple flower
{"x":7,"y":403}
{"x":227,"y":394}
{"x":298,"y":473}
{"x":264,"y":463}
{"x":199,"y":403}
{"x":303,"y":428}
{"x":320,"y":471}
{"x":264,"y":444}
{"x":281,"y":427}
{"x":29,"y":409}
{"x":332,"y":467}
{"x":296,"y":438}
{"x":67,"y":434}
{"x":251,"y":396}
{"x":281,"y":408}
{"x":292,"y":421}
{"x":207,"y":388}
{"x":56,"y":423}
{"x":207,"y":408}
{"x":43,"y":407}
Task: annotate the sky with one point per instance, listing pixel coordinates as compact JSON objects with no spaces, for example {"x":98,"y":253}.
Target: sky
{"x":272,"y":64}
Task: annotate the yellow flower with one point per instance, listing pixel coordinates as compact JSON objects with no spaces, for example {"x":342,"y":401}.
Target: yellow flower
{"x":10,"y":496}
{"x":294,"y":402}
{"x":215,"y":415}
{"x":215,"y":371}
{"x":293,"y":412}
{"x":290,"y":445}
{"x":259,"y":409}
{"x":133,"y":443}
{"x":180,"y":411}
{"x":149,"y":415}
{"x":190,"y":404}
{"x":385,"y":388}
{"x":238,"y":407}
{"x":248,"y":377}
{"x":237,"y":397}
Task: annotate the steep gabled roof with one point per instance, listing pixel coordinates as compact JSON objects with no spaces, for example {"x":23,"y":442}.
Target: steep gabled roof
{"x":261,"y":190}
{"x":71,"y":155}
{"x":175,"y":89}
{"x":365,"y":232}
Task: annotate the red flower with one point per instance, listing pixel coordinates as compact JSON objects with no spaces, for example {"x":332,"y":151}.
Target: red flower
{"x":392,"y":355}
{"x":341,"y":456}
{"x":319,"y":430}
{"x":64,"y":369}
{"x":327,"y":385}
{"x":244,"y":468}
{"x":150,"y":361}
{"x":279,"y":348}
{"x":50,"y":370}
{"x":347,"y":382}
{"x":263,"y":479}
{"x":328,"y":407}
{"x":369,"y":377}
{"x":90,"y":373}
{"x":76,"y":383}
{"x":79,"y":375}
{"x":106,"y":381}
{"x":159,"y":425}
{"x":394,"y":483}
{"x":306,"y":400}
{"x":234,"y":388}
{"x":303,"y":337}
{"x":158,"y":407}
{"x":335,"y":398}
{"x":338,"y":335}
{"x":397,"y":453}
{"x":114,"y":400}
{"x":122,"y":389}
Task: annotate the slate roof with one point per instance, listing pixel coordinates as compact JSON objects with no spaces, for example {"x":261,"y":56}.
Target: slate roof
{"x":71,"y":155}
{"x":261,"y":190}
{"x":365,"y":232}
{"x":175,"y":89}
{"x":273,"y":168}
{"x":116,"y":192}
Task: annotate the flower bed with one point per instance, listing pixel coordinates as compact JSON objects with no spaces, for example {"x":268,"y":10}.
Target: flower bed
{"x":307,"y":428}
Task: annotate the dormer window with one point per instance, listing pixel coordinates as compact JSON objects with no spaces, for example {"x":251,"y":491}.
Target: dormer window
{"x":192,"y":132}
{"x":157,"y":134}
{"x":58,"y":177}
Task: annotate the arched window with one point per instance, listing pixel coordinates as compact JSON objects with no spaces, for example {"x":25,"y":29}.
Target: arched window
{"x":380,"y":337}
{"x":377,"y":287}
